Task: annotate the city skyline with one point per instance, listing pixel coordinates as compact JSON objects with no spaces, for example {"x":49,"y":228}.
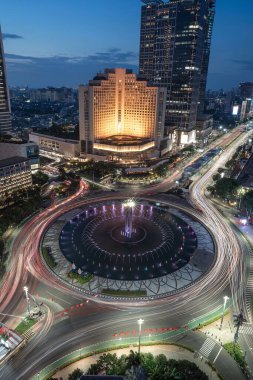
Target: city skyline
{"x":38,"y":56}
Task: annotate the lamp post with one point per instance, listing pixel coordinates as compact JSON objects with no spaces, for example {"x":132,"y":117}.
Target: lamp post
{"x":239,"y":319}
{"x":226,"y":298}
{"x":140,"y":322}
{"x":27,"y":300}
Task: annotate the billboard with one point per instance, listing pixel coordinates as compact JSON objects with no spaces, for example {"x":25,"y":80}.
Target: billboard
{"x":235,"y":110}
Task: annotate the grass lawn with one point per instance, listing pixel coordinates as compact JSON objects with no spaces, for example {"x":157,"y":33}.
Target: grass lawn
{"x":125,"y":293}
{"x":48,"y":257}
{"x":80,"y":278}
{"x":236,"y":352}
{"x":25,"y":325}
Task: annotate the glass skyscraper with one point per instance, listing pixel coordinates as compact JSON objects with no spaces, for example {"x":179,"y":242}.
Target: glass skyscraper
{"x":5,"y":109}
{"x":174,"y":53}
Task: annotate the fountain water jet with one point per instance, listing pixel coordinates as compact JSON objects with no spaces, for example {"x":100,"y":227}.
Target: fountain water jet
{"x":129,"y":207}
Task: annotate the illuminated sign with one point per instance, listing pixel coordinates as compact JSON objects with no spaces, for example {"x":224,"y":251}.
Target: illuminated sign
{"x":235,"y":110}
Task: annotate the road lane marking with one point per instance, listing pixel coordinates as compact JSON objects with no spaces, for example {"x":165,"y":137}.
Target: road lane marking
{"x":69,"y":303}
{"x":217,"y":355}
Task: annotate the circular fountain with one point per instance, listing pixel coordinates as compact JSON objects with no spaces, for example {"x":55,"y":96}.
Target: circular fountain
{"x":127,"y":241}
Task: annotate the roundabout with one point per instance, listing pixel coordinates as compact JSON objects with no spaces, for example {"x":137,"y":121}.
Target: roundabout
{"x":189,"y":296}
{"x":130,"y":247}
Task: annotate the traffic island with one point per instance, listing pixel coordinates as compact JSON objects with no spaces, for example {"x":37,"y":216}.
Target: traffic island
{"x":104,"y":254}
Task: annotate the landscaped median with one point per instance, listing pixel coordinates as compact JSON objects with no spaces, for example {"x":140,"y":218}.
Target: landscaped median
{"x":26,"y":324}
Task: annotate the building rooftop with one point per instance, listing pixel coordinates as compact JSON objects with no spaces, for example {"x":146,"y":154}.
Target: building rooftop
{"x":12,"y":161}
{"x":50,"y":137}
{"x":11,"y":140}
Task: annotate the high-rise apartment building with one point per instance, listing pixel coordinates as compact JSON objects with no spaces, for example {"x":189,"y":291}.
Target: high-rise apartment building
{"x":121,"y":117}
{"x":174,"y":53}
{"x":5,"y":109}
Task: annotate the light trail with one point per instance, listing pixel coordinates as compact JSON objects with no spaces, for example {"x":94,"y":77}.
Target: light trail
{"x":229,"y":263}
{"x":26,"y":268}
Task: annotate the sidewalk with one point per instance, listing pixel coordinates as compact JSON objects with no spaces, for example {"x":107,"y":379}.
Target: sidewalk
{"x":208,"y":348}
{"x":170,"y":351}
{"x":225,"y":335}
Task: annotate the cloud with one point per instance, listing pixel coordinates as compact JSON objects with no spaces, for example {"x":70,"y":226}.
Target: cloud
{"x":11,"y":36}
{"x":114,"y":55}
{"x":65,"y":71}
{"x":16,"y":59}
{"x":246,"y":64}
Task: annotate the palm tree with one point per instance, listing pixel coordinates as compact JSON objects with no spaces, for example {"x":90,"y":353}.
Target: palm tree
{"x":133,"y":364}
{"x":133,"y":359}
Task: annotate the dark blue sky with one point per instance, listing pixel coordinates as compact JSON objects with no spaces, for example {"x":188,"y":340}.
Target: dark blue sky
{"x":65,"y":42}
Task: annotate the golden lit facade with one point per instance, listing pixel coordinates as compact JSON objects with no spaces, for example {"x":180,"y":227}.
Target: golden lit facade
{"x":120,"y":114}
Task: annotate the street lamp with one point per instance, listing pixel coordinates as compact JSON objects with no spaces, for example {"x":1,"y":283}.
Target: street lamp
{"x":28,"y":300}
{"x":140,"y":322}
{"x":226,"y":298}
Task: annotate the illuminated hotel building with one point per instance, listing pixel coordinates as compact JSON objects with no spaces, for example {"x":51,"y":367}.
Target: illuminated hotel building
{"x":174,"y":53}
{"x":5,"y":109}
{"x":121,"y":117}
{"x":15,"y":175}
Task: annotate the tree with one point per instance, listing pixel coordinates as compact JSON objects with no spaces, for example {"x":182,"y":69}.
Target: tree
{"x":62,"y":173}
{"x":226,"y":188}
{"x":211,"y":189}
{"x":247,"y":201}
{"x":186,"y":370}
{"x":229,"y":164}
{"x":40,"y":178}
{"x":161,"y":170}
{"x":216,"y":177}
{"x":94,"y":369}
{"x":133,"y":359}
{"x":149,"y":362}
{"x":110,"y":364}
{"x":135,"y":370}
{"x":137,"y":366}
{"x":75,"y":374}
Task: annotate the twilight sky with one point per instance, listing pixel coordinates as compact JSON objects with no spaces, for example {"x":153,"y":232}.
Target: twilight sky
{"x":65,"y":42}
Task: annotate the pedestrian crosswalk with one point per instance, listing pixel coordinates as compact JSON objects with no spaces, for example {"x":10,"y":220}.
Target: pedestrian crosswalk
{"x":246,"y":329}
{"x":28,"y":334}
{"x":207,"y":347}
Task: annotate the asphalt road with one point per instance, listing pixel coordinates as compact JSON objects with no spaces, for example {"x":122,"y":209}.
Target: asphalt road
{"x":96,"y":322}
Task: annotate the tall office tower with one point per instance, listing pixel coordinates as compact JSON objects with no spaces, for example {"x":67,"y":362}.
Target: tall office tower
{"x":121,"y":117}
{"x":246,"y":90}
{"x":174,"y":53}
{"x":208,"y":28}
{"x":5,"y":109}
